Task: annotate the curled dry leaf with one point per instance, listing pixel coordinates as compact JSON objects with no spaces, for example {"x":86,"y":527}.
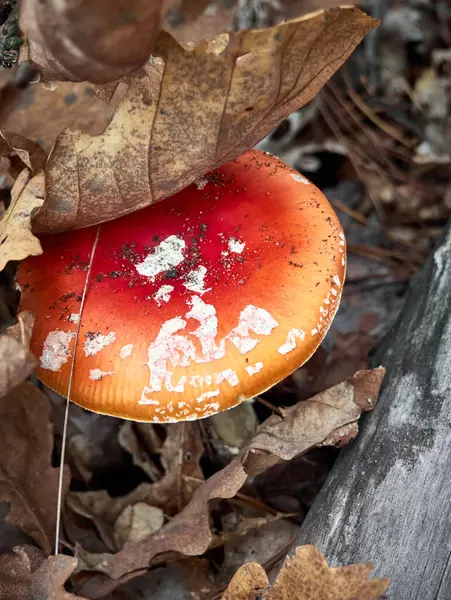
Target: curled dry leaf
{"x":47,"y":582}
{"x":324,"y":419}
{"x":189,"y":531}
{"x":27,"y":479}
{"x":217,"y":100}
{"x":16,"y":239}
{"x":306,"y":576}
{"x":16,"y":360}
{"x":94,"y":40}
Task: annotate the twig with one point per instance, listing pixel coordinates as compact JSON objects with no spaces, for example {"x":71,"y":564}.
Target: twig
{"x":370,"y":114}
{"x":268,"y":404}
{"x":341,"y":206}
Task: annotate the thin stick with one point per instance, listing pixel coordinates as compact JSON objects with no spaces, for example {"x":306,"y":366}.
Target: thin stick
{"x":66,"y":411}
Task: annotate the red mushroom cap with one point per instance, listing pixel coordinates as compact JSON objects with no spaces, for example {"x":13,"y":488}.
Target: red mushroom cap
{"x":193,"y":304}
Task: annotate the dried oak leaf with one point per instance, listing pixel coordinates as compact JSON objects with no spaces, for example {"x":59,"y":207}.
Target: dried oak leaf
{"x":47,"y":582}
{"x":27,"y":479}
{"x":94,"y":40}
{"x":190,"y":111}
{"x":16,"y":360}
{"x":306,"y":576}
{"x":16,"y":570}
{"x":303,"y":427}
{"x":15,"y":578}
{"x":16,"y":239}
{"x":247,"y":584}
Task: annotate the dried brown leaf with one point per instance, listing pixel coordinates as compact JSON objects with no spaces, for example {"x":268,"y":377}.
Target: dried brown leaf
{"x":68,"y":105}
{"x":31,"y":154}
{"x":314,"y":422}
{"x":16,"y":361}
{"x":23,"y":329}
{"x":16,"y":570}
{"x":16,"y":239}
{"x":248,"y":583}
{"x":180,"y":456}
{"x":306,"y":576}
{"x":235,"y":427}
{"x":48,"y":580}
{"x":94,"y":40}
{"x":12,"y":86}
{"x":192,"y":578}
{"x":15,"y":578}
{"x":188,"y":533}
{"x":136,"y":523}
{"x":27,"y":479}
{"x":262,"y":544}
{"x":307,"y":424}
{"x":191,"y":111}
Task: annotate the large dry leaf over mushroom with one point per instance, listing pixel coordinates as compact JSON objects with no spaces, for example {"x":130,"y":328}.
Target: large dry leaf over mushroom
{"x":190,"y":111}
{"x":306,"y":576}
{"x":305,"y":425}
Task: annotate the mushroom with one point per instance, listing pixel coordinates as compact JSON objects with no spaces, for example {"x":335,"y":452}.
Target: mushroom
{"x":193,"y":304}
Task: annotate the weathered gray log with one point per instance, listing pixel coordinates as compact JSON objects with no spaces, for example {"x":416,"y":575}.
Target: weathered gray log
{"x":388,"y":497}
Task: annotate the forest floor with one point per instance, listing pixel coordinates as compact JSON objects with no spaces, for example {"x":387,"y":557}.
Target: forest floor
{"x":377,"y":141}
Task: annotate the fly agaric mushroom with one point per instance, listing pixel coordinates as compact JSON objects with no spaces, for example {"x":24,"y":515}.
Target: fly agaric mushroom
{"x":194,"y":304}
